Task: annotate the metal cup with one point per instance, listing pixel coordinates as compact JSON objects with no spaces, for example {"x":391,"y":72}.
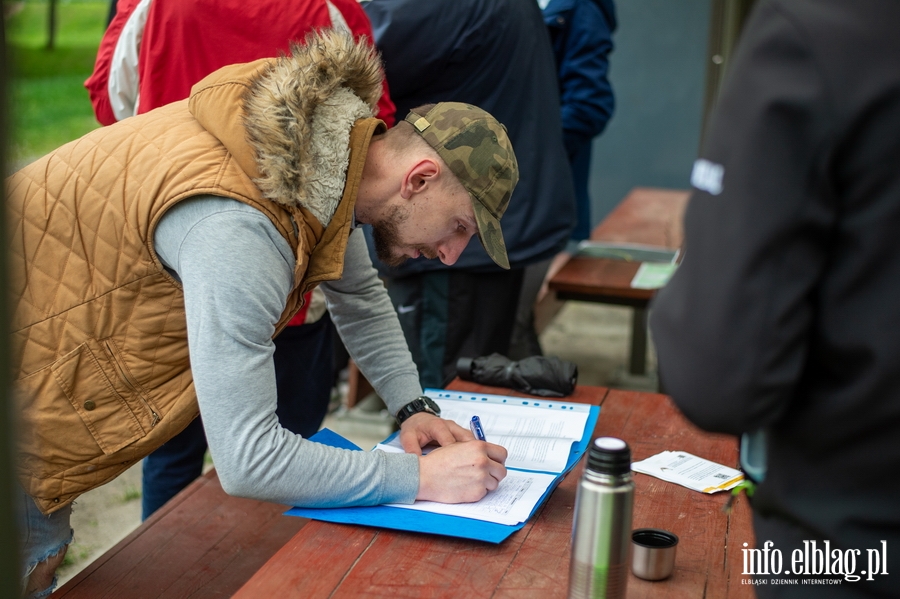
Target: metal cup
{"x":653,"y":556}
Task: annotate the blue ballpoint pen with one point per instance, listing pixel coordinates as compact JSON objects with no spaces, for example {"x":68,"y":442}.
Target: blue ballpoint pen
{"x":475,"y":425}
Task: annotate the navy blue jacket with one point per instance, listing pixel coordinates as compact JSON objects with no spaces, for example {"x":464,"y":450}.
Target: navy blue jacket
{"x":581,"y":35}
{"x":494,"y":54}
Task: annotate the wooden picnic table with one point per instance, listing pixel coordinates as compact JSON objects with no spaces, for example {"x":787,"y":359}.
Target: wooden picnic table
{"x":646,"y":216}
{"x":206,"y":544}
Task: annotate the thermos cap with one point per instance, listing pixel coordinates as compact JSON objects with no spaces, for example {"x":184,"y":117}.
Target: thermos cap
{"x":609,"y":455}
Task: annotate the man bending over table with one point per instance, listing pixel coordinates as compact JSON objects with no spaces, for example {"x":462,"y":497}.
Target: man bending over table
{"x":154,"y":260}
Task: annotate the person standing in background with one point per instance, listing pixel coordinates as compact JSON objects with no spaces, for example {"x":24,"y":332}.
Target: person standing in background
{"x":495,"y":54}
{"x":152,"y":53}
{"x":780,"y":324}
{"x":581,"y":36}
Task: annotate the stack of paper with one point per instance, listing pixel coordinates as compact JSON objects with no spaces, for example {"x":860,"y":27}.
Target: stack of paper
{"x":689,"y":471}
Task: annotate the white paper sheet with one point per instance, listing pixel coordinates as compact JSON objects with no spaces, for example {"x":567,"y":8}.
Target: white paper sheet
{"x":538,"y":434}
{"x":689,"y":471}
{"x":512,"y":502}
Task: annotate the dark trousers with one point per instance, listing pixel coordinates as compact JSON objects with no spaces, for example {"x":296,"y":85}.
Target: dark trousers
{"x":304,"y":374}
{"x":450,"y":314}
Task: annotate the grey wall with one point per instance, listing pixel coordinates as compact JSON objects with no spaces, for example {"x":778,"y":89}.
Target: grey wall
{"x":657,"y":72}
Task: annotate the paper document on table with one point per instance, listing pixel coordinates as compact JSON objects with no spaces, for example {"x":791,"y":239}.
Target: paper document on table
{"x":629,"y":252}
{"x":519,"y":495}
{"x":689,"y":471}
{"x":538,"y":435}
{"x":653,"y":276}
{"x":525,"y":453}
{"x":510,"y":503}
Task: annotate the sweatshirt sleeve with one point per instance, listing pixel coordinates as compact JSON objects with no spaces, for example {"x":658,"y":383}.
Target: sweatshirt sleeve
{"x":586,"y":95}
{"x":732,"y":326}
{"x":237,"y":271}
{"x":366,"y":320}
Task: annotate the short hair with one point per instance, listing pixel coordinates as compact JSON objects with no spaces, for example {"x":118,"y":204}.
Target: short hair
{"x":402,"y":138}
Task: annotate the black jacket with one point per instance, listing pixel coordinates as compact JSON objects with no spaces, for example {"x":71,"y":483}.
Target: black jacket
{"x":494,"y":54}
{"x":785,"y":314}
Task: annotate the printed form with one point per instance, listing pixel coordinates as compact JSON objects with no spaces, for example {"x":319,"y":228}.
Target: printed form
{"x":687,"y":470}
{"x":538,"y":436}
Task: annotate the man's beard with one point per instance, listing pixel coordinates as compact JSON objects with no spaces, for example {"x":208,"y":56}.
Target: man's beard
{"x":386,"y":235}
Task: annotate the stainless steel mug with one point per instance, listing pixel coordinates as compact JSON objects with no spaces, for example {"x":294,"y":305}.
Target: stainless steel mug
{"x":653,"y":556}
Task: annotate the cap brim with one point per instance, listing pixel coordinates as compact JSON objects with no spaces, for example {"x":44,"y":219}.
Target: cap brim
{"x":490,"y":234}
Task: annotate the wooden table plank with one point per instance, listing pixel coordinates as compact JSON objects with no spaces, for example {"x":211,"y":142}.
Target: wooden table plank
{"x":599,"y":280}
{"x":533,"y":563}
{"x":408,"y":565}
{"x":647,"y":215}
{"x":202,"y":543}
{"x":312,"y":564}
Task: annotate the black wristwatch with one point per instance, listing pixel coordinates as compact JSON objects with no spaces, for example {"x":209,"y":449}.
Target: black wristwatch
{"x":419,"y":404}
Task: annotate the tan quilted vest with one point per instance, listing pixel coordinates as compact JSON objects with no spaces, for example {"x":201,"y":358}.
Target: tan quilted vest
{"x":99,"y":343}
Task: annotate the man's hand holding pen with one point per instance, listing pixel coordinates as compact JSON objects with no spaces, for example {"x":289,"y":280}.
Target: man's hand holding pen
{"x":457,"y":471}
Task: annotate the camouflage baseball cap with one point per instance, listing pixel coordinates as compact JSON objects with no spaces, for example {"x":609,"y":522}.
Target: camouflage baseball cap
{"x":477,"y":149}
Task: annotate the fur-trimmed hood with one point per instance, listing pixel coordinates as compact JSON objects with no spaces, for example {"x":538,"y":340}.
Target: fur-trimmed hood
{"x":291,"y":126}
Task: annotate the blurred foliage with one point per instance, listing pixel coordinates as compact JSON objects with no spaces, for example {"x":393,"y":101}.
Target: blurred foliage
{"x":49,"y":105}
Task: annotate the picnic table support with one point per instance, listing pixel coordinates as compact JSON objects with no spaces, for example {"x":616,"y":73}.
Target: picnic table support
{"x":637,"y":363}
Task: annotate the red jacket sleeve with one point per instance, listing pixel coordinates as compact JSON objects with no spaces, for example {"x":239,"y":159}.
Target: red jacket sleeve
{"x":98,"y":83}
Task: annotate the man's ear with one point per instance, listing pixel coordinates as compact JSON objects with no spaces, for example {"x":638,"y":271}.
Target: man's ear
{"x":419,"y":177}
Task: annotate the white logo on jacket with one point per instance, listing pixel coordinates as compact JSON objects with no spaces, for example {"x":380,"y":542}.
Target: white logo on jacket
{"x":707,"y":176}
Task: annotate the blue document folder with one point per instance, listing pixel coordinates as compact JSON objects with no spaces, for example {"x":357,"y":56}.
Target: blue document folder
{"x":385,"y":516}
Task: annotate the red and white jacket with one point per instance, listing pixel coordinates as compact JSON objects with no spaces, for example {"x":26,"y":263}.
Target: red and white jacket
{"x":154,"y":51}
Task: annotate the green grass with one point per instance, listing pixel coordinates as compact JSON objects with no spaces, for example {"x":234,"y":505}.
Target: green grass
{"x":75,"y":555}
{"x":131,"y":493}
{"x":47,"y":113}
{"x":48,"y":104}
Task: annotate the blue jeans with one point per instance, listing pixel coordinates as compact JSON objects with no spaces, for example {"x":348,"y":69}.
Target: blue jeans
{"x":304,"y":373}
{"x":40,"y":537}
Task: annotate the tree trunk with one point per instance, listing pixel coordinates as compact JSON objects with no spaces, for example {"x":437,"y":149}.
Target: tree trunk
{"x":51,"y":24}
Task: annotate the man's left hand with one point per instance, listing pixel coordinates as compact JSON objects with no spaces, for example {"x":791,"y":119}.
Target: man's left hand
{"x":420,"y":429}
